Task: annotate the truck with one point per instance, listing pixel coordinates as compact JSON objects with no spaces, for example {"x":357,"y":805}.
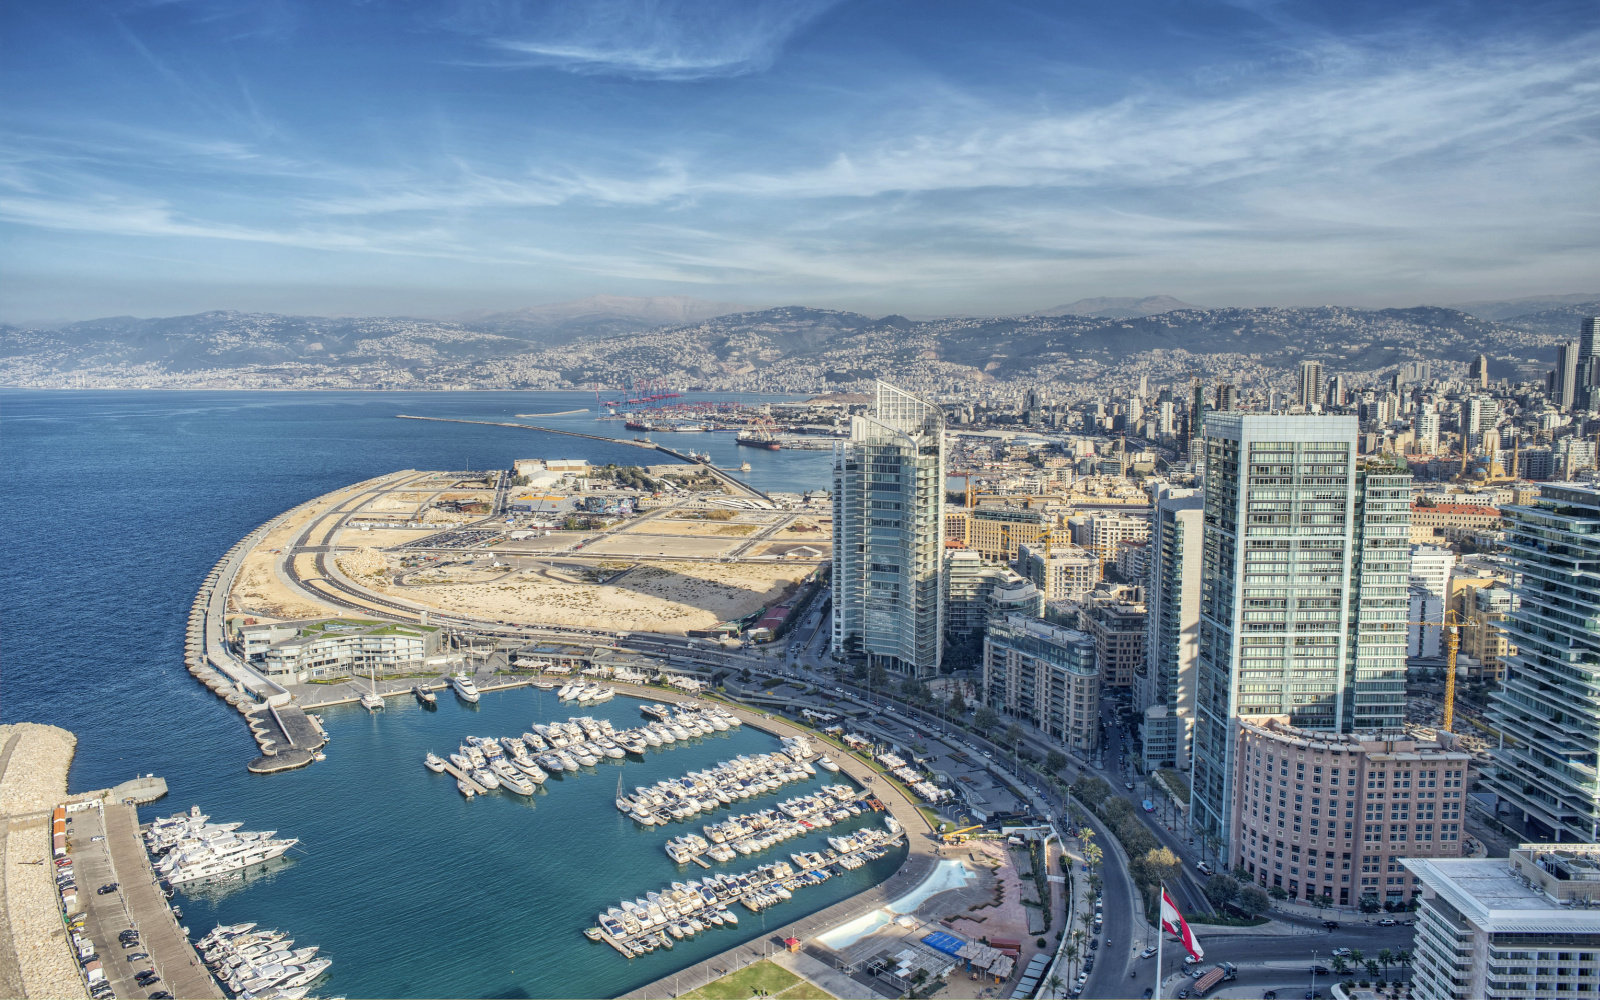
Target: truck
{"x":1221,"y":972}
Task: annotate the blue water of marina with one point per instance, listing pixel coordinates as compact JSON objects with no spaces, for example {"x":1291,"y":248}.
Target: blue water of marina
{"x":116,"y":506}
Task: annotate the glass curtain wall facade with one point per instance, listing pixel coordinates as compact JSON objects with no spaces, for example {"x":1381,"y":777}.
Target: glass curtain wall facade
{"x":1380,"y":598}
{"x":1276,"y":568}
{"x":888,"y":535}
{"x":1173,"y":598}
{"x":1549,"y":704}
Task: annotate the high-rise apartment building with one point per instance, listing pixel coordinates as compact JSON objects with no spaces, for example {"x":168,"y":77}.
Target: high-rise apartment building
{"x":1426,"y":428}
{"x":1338,"y":395}
{"x":1564,"y":391}
{"x":1044,"y":674}
{"x":888,"y":534}
{"x":1166,"y":422}
{"x":1586,"y":337}
{"x":1311,"y":386}
{"x":1061,"y":574}
{"x":1303,"y":597}
{"x":1101,"y":532}
{"x":1478,"y":371}
{"x":1547,"y":706}
{"x":1227,"y":396}
{"x":1430,"y":588}
{"x":1172,"y":597}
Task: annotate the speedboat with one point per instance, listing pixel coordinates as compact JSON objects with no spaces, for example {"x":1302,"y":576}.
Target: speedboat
{"x":464,"y":788}
{"x":464,"y":688}
{"x":433,"y":763}
{"x":485,"y":777}
{"x":827,"y":765}
{"x":427,"y":697}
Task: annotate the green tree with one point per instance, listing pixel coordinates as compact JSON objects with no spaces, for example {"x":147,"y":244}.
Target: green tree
{"x":1054,"y":761}
{"x":1277,"y":892}
{"x":1372,"y":967}
{"x":1089,"y":790}
{"x":1162,"y":864}
{"x":879,"y":677}
{"x":1252,"y":901}
{"x":1221,"y":890}
{"x":1356,"y":958}
{"x":1403,"y":957}
{"x":1385,"y":959}
{"x":1013,"y":735}
{"x":1321,"y":902}
{"x":986,"y":719}
{"x":1339,"y":965}
{"x":1056,"y":983}
{"x":958,"y":704}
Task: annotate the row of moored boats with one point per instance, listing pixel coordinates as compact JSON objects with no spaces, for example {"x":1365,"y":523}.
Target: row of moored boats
{"x":187,"y":846}
{"x":586,"y":693}
{"x":260,"y":964}
{"x":684,"y":909}
{"x":519,"y":764}
{"x":758,"y":831}
{"x":743,"y":777}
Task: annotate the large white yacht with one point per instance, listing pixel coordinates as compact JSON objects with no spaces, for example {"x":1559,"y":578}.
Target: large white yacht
{"x":464,"y":688}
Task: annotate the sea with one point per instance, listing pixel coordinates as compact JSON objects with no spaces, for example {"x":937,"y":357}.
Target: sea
{"x":119,"y":502}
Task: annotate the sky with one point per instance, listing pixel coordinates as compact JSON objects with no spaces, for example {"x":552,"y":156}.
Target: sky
{"x":402,"y":157}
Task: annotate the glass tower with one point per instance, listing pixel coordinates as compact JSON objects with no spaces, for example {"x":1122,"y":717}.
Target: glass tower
{"x":888,"y":535}
{"x":1549,"y":705}
{"x":1303,"y":588}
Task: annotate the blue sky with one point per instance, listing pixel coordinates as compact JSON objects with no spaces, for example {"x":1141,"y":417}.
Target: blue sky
{"x":407,"y":157}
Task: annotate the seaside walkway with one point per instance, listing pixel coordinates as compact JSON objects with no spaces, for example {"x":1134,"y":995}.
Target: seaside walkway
{"x":921,"y":860}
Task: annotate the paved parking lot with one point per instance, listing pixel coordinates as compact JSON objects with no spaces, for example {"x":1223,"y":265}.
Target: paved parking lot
{"x":137,"y":904}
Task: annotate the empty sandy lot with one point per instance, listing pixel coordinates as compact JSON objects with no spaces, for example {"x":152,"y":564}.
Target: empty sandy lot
{"x":657,"y":597}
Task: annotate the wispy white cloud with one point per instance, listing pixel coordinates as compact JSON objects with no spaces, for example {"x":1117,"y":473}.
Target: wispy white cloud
{"x":657,"y":39}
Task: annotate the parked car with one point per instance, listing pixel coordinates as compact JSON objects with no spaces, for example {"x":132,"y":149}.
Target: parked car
{"x":1147,"y":953}
{"x":1319,"y":970}
{"x":1386,"y":922}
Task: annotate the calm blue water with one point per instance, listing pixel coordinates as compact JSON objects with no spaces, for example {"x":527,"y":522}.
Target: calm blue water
{"x":118,"y":503}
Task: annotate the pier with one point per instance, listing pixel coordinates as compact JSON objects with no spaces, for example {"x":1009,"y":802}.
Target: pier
{"x":531,"y":427}
{"x":465,"y":778}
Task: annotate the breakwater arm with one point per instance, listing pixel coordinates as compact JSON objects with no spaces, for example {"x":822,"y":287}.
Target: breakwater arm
{"x":531,"y":427}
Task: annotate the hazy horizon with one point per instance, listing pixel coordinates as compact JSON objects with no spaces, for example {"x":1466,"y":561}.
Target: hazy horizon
{"x":344,"y":159}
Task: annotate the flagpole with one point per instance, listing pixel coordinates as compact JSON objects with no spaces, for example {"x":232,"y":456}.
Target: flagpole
{"x":1161,"y":940}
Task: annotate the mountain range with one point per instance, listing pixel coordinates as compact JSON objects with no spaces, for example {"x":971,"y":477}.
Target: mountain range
{"x":611,"y":340}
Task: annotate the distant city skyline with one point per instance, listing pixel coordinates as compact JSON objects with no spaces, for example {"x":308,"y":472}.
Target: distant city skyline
{"x":167,"y":159}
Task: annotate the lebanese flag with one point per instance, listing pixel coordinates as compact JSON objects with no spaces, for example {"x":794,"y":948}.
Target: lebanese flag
{"x":1173,"y":923}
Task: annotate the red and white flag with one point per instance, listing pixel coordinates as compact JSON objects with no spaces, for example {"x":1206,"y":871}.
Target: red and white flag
{"x":1173,"y":923}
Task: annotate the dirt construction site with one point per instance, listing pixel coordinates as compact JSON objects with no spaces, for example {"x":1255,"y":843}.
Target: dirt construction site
{"x":435,"y":540}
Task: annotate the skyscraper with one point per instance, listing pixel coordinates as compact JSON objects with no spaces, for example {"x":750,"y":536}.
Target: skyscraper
{"x":1227,"y":396}
{"x":1303,"y":577}
{"x":1565,"y":389}
{"x":1311,"y":387}
{"x":888,"y":535}
{"x":1479,"y":371}
{"x":1586,"y":337}
{"x":1172,"y":598}
{"x":1547,"y":706}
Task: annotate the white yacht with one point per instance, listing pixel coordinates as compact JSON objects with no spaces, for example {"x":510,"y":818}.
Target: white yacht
{"x":433,"y":763}
{"x":464,"y":688}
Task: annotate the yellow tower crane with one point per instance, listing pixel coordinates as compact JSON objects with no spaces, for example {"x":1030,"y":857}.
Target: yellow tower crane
{"x":1452,"y":643}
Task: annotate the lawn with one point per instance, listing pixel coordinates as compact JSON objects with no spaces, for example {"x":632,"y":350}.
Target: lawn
{"x":763,"y":976}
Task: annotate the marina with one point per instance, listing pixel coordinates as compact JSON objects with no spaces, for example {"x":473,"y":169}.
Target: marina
{"x":261,"y":964}
{"x":683,"y":910}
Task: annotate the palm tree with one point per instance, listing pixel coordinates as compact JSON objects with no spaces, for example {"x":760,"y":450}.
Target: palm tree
{"x":1356,"y":958}
{"x":1372,"y":968}
{"x":1386,"y":959}
{"x":1403,"y":956}
{"x":1055,"y":982}
{"x":1340,"y":966}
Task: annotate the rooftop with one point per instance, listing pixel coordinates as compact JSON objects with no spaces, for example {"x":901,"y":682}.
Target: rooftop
{"x":1488,"y":892}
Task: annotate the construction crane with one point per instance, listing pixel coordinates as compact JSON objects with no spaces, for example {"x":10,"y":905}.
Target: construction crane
{"x":1452,"y":643}
{"x":960,"y":836}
